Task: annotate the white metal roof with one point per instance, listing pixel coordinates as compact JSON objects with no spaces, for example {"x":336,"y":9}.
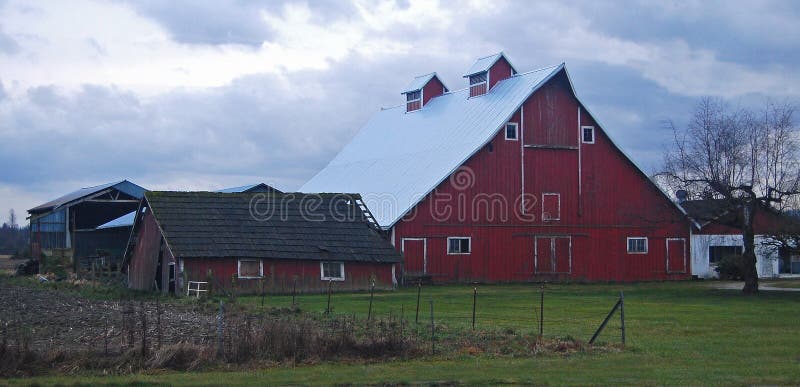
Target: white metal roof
{"x":485,"y":63}
{"x":420,"y":82}
{"x":398,"y":158}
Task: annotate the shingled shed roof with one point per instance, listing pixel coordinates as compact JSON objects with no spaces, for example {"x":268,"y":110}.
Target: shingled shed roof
{"x":275,"y":225}
{"x":706,"y":210}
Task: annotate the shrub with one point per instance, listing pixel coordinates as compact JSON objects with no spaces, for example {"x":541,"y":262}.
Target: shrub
{"x":730,"y":267}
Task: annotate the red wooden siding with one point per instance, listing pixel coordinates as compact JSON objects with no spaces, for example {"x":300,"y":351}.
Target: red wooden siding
{"x":476,"y":90}
{"x":432,"y":89}
{"x":499,"y":71}
{"x":602,"y":200}
{"x":279,"y":275}
{"x":414,"y":105}
{"x":142,"y":267}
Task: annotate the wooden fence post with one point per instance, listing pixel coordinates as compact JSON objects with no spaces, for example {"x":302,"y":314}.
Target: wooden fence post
{"x":328,"y":309}
{"x":144,"y":328}
{"x":220,"y":328}
{"x":371,"y":295}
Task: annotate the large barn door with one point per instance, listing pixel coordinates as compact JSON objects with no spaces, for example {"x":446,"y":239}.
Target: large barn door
{"x":676,"y":255}
{"x":415,"y":251}
{"x":553,"y":254}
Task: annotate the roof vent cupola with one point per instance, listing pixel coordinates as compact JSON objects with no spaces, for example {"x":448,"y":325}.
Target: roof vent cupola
{"x":487,"y":72}
{"x":421,"y":90}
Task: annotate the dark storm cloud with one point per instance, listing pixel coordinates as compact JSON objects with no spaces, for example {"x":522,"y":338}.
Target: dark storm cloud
{"x":226,"y":21}
{"x":751,"y":33}
{"x":257,"y":126}
{"x":285,"y":127}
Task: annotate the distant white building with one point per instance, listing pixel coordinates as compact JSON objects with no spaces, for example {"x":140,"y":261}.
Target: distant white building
{"x":714,"y":236}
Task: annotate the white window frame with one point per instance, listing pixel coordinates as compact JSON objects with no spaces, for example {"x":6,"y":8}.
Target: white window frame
{"x":420,"y":91}
{"x":558,"y":196}
{"x":469,"y":239}
{"x":516,"y":131}
{"x":239,"y":267}
{"x":593,"y":134}
{"x":628,"y":245}
{"x":322,"y":271}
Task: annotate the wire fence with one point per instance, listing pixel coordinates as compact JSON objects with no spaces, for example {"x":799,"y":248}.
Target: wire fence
{"x":533,"y":309}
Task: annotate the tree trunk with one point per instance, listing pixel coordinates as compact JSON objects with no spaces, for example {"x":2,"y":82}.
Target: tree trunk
{"x":749,"y":271}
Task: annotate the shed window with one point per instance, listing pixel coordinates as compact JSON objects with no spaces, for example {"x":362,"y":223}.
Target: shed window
{"x":716,"y":253}
{"x":413,"y":101}
{"x":637,"y":245}
{"x":459,"y":245}
{"x":511,"y":131}
{"x":588,"y":134}
{"x":478,"y":84}
{"x":551,"y":206}
{"x":250,"y":268}
{"x":331,"y":271}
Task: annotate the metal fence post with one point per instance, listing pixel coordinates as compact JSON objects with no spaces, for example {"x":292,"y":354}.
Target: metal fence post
{"x":541,"y":310}
{"x":622,"y":314}
{"x":294,"y":291}
{"x":474,"y":304}
{"x":433,"y":331}
{"x":419,"y":292}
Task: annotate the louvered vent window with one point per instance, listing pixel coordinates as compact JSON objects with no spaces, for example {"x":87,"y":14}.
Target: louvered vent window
{"x":478,"y":84}
{"x":413,"y":100}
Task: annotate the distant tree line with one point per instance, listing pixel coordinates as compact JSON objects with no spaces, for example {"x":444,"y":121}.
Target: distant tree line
{"x":13,"y":238}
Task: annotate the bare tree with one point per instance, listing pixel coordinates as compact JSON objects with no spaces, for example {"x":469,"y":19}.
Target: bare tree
{"x":744,"y":158}
{"x":12,"y":218}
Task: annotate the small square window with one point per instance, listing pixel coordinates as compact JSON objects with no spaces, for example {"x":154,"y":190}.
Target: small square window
{"x":458,"y":245}
{"x":250,"y":268}
{"x":588,"y":134}
{"x":511,"y":131}
{"x":637,"y":245}
{"x":413,"y":96}
{"x":331,"y":271}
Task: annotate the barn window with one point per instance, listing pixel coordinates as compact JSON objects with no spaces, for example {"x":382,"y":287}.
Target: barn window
{"x":250,"y":268}
{"x":478,"y":84}
{"x":511,"y":131}
{"x":716,"y":253}
{"x":331,"y":271}
{"x":459,"y":245}
{"x":551,"y":206}
{"x":637,"y":245}
{"x":413,"y":100}
{"x":588,"y":134}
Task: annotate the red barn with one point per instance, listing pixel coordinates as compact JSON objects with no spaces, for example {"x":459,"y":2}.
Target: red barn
{"x":508,"y":179}
{"x":242,"y":241}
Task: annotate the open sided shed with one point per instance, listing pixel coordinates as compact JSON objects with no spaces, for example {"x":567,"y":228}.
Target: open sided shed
{"x":67,"y":223}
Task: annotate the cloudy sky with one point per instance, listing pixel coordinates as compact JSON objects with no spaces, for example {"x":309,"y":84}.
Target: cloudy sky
{"x":209,"y":94}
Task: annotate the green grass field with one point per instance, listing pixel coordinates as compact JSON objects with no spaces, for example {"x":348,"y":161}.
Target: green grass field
{"x":677,"y":333}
